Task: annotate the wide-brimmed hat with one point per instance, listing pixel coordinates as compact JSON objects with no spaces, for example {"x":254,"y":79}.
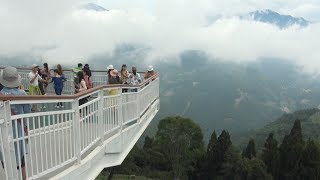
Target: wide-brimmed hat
{"x":9,"y":77}
{"x":150,"y":68}
{"x":34,"y":66}
{"x":114,"y":73}
{"x":110,"y":67}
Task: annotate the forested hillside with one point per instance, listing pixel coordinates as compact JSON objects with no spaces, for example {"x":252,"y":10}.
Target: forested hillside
{"x":177,"y":151}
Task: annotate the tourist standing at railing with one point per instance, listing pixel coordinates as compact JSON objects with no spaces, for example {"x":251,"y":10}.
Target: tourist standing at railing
{"x":81,"y":86}
{"x":87,"y":78}
{"x":58,"y":80}
{"x":134,"y":78}
{"x":114,"y":79}
{"x":11,"y":81}
{"x":75,"y":71}
{"x":87,"y":69}
{"x":124,"y":74}
{"x":40,"y":84}
{"x":150,"y":72}
{"x":45,"y":75}
{"x":109,"y":69}
{"x":34,"y":79}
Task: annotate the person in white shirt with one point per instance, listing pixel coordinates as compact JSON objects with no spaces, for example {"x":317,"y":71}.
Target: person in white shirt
{"x":134,"y":78}
{"x":34,"y":89}
{"x":34,"y":78}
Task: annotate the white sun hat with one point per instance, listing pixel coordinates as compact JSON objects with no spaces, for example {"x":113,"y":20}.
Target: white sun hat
{"x":10,"y":78}
{"x":110,"y":67}
{"x":150,"y":68}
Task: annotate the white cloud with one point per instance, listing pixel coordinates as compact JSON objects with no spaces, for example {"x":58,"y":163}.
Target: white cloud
{"x":60,"y":32}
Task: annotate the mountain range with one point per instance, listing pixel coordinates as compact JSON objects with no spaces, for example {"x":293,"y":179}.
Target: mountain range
{"x":265,"y":16}
{"x":280,"y":20}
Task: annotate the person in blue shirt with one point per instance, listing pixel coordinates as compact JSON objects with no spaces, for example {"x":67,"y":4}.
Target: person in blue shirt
{"x":58,"y":80}
{"x":11,"y":81}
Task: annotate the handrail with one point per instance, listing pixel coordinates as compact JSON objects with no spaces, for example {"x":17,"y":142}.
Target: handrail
{"x":78,"y":95}
{"x":65,"y":70}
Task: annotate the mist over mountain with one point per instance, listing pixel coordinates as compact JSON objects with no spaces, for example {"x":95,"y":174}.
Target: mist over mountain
{"x":280,"y":20}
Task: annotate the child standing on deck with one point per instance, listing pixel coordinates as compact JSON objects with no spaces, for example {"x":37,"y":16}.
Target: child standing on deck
{"x":58,"y":80}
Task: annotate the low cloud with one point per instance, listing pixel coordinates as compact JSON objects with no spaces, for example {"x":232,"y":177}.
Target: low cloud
{"x":61,"y":32}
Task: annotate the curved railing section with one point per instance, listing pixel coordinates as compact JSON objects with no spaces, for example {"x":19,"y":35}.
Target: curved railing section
{"x":56,"y":139}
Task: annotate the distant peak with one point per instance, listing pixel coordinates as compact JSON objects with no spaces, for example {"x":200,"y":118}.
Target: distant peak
{"x":280,"y":20}
{"x":93,"y":7}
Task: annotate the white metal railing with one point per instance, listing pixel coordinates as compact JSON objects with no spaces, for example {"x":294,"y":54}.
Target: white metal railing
{"x":56,"y":139}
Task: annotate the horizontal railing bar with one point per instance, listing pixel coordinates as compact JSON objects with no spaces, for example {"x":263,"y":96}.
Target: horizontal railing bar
{"x":78,"y":95}
{"x":39,"y":101}
{"x":111,"y":130}
{"x":47,"y":113}
{"x":48,"y":129}
{"x":89,"y":103}
{"x":33,"y":133}
{"x":90,"y":145}
{"x":87,"y":116}
{"x":131,"y":120}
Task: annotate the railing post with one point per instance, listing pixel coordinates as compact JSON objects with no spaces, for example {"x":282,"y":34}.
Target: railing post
{"x":100,"y":114}
{"x":8,"y":153}
{"x":120,"y":116}
{"x":76,"y":130}
{"x":139,"y":104}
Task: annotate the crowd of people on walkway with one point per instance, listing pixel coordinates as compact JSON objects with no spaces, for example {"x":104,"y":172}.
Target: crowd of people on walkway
{"x":40,"y":78}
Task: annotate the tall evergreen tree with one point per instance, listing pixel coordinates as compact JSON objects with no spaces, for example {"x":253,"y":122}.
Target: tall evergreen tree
{"x":219,"y":152}
{"x":290,"y":151}
{"x":250,"y":152}
{"x":212,"y":142}
{"x":270,"y":156}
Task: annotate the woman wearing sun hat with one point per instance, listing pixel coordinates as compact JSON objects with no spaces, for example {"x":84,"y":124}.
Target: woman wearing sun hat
{"x":150,"y":72}
{"x":114,"y":79}
{"x":11,"y":81}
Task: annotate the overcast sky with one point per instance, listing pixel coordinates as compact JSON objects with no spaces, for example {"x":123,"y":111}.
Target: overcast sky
{"x":60,"y":31}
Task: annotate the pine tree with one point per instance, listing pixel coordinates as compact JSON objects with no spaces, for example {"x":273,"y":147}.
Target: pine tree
{"x":219,"y":152}
{"x":270,"y":156}
{"x":290,"y":151}
{"x":212,"y":142}
{"x":296,"y":132}
{"x":250,"y":152}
